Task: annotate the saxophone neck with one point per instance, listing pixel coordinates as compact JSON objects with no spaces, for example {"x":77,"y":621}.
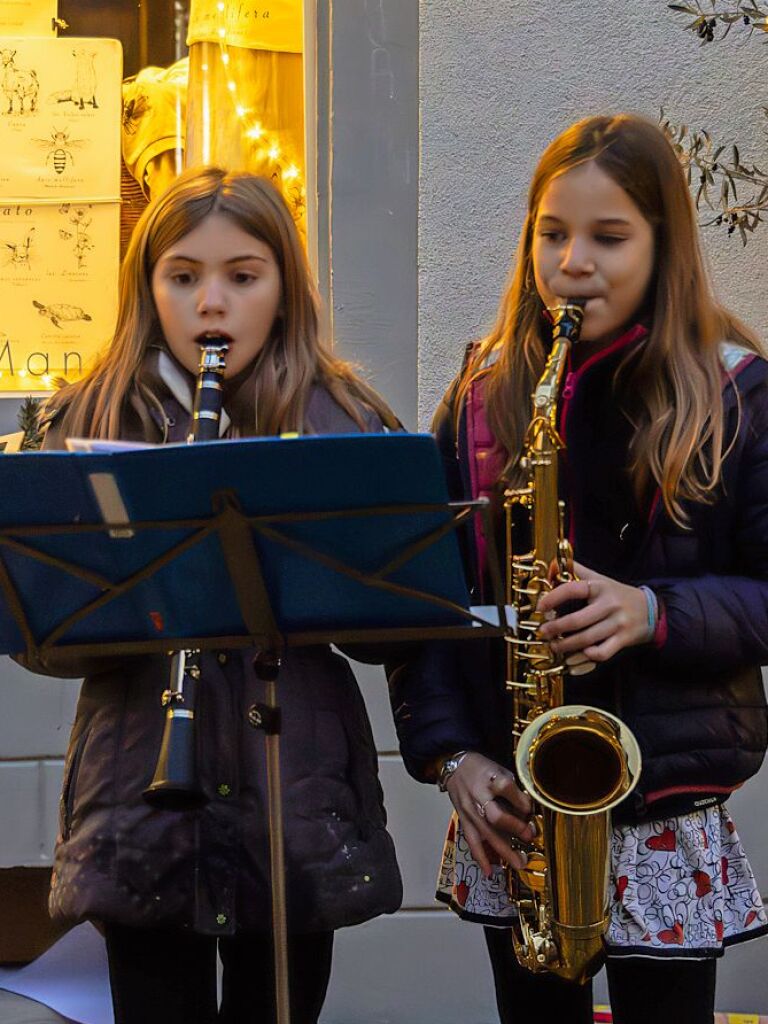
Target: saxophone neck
{"x":566,"y":326}
{"x":547,"y":391}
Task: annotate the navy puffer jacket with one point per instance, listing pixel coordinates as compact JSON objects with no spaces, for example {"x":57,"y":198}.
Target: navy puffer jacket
{"x":695,"y":701}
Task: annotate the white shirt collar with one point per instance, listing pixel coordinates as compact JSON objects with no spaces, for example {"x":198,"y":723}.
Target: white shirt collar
{"x":178,"y":385}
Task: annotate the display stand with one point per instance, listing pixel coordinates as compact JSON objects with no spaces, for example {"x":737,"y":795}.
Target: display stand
{"x":283,"y":543}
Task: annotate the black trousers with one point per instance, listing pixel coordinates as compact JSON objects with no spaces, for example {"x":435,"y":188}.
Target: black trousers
{"x":163,"y":976}
{"x":641,"y":990}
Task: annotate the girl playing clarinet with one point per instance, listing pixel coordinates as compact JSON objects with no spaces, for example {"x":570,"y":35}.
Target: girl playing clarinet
{"x":218,"y":257}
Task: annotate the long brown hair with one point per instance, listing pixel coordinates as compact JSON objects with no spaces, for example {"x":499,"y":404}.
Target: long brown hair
{"x":294,"y":358}
{"x":675,"y":379}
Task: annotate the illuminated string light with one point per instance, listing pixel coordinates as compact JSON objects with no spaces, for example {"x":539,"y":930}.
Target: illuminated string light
{"x":270,"y":148}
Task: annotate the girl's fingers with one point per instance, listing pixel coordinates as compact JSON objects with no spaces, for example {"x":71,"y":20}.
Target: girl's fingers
{"x":583,"y":669}
{"x":574,"y":660}
{"x":492,"y":809}
{"x":572,"y":623}
{"x":604,"y":651}
{"x":505,"y":823}
{"x":504,"y":785}
{"x":575,"y":590}
{"x":596,"y":634}
{"x":480,"y":838}
{"x":579,"y":664}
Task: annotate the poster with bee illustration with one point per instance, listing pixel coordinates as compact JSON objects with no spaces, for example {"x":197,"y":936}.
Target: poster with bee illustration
{"x":60,"y":104}
{"x":27,"y":17}
{"x":58,"y":290}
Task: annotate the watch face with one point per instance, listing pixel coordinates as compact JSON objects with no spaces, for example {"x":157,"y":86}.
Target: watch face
{"x":447,"y":770}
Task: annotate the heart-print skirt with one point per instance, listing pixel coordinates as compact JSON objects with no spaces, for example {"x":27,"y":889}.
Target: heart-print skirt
{"x":681,"y":887}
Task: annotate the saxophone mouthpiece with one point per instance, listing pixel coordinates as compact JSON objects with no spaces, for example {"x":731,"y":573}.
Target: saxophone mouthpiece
{"x":567,"y":318}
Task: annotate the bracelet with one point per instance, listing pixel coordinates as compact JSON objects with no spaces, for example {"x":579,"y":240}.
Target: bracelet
{"x":652,"y":605}
{"x":448,"y":767}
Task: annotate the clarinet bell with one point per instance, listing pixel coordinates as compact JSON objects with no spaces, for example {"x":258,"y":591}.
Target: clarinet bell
{"x":175,"y":786}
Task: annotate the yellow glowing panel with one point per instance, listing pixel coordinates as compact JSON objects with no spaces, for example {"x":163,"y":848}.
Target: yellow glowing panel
{"x":27,"y":17}
{"x":58,"y":290}
{"x":60,"y":107}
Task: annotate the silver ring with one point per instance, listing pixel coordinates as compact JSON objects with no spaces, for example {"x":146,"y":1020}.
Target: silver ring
{"x":480,"y":808}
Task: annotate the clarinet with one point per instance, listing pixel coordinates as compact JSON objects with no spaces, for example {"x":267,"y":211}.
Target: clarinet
{"x":175,"y":784}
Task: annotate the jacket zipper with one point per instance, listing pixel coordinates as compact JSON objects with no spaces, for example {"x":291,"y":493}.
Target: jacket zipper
{"x":68,"y":791}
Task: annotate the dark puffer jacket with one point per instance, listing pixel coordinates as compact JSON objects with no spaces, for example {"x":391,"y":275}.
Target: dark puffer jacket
{"x":695,"y":701}
{"x":119,"y":860}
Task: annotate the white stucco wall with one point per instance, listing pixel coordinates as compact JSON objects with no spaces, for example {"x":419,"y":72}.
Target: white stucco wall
{"x":499,"y":79}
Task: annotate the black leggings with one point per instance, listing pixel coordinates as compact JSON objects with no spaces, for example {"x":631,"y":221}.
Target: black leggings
{"x":641,"y":990}
{"x":169,"y":977}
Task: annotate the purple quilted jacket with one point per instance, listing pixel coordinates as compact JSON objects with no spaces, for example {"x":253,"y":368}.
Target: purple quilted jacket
{"x":121,"y":861}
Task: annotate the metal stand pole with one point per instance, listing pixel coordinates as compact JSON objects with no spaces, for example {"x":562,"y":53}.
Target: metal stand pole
{"x":267,"y":717}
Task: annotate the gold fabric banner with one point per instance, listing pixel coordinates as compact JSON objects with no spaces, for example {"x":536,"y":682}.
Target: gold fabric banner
{"x":267,"y":25}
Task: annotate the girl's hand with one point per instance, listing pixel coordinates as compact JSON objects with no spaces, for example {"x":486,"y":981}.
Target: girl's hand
{"x":491,"y":809}
{"x":615,"y":617}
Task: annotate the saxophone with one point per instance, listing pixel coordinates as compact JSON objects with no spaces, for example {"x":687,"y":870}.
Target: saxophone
{"x":575,"y":762}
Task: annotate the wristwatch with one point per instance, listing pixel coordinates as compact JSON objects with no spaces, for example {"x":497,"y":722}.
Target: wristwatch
{"x":448,"y":767}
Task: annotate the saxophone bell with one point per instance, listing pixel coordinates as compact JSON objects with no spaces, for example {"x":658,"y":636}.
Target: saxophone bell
{"x":576,"y":759}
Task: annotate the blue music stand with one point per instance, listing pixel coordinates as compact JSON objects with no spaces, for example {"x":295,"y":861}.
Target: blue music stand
{"x":264,"y":542}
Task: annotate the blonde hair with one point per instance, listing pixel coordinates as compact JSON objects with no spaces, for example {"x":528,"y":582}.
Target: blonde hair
{"x":675,"y":378}
{"x":274,"y":397}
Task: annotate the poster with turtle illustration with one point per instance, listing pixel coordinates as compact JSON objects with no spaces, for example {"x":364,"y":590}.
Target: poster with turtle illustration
{"x":60,"y":106}
{"x":58,"y":289}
